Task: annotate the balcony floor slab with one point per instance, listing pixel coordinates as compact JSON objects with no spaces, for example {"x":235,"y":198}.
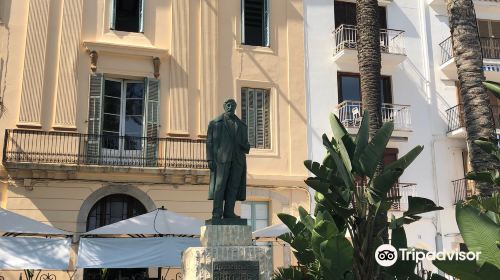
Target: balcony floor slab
{"x":347,"y":61}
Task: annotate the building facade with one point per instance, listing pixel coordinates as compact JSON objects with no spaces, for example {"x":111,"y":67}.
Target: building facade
{"x":419,"y":91}
{"x":105,"y":106}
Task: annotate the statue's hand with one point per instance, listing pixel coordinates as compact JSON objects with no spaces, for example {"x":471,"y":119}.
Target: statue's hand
{"x":211,"y":165}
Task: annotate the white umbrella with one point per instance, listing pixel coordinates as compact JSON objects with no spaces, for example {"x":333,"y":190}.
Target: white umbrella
{"x":158,"y":222}
{"x":15,"y":224}
{"x":18,"y":253}
{"x":271,"y":231}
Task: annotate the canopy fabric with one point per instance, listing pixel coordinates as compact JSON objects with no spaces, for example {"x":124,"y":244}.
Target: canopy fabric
{"x":133,"y":252}
{"x":271,"y":231}
{"x":18,"y":253}
{"x":160,"y":221}
{"x":11,"y":222}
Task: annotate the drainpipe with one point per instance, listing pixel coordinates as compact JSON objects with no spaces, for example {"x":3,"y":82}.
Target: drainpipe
{"x":425,"y":31}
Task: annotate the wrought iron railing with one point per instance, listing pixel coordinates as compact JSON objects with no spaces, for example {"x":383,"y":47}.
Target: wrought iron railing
{"x":401,"y":190}
{"x":490,"y":47}
{"x":463,"y":189}
{"x":350,"y":114}
{"x":456,"y":118}
{"x":32,"y":146}
{"x":391,"y":40}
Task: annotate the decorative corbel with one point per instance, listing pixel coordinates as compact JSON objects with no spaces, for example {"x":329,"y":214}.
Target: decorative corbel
{"x":93,"y":59}
{"x":156,"y":66}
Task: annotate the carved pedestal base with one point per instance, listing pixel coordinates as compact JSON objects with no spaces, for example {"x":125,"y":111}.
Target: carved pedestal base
{"x":227,"y":254}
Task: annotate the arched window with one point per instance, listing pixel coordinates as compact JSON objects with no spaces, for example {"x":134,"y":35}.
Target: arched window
{"x":108,"y":210}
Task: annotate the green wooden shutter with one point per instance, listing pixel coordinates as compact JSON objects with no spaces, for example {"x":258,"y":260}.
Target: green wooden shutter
{"x":265,"y":23}
{"x":112,"y":14}
{"x":94,"y":118}
{"x":141,"y":16}
{"x":267,"y":120}
{"x":152,"y":121}
{"x":242,"y":29}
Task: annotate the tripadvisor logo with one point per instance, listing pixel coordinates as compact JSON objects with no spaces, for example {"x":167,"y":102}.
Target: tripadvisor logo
{"x":386,"y":255}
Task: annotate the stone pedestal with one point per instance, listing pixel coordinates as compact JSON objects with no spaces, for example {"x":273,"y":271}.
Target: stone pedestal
{"x":227,"y":253}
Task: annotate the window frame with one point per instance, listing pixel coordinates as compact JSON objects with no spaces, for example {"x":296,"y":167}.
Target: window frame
{"x":385,"y":78}
{"x":112,"y":17}
{"x":253,"y":220}
{"x":266,"y":29}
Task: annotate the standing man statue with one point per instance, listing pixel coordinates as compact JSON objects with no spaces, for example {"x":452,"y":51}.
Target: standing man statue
{"x":227,"y":146}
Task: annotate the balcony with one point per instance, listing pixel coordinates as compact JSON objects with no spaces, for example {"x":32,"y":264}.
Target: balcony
{"x":463,"y":189}
{"x":350,"y":114}
{"x":491,"y":59}
{"x":346,"y":54}
{"x":402,"y":190}
{"x":76,"y":149}
{"x":456,"y":121}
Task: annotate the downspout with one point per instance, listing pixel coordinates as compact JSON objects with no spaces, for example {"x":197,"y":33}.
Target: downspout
{"x":423,"y":15}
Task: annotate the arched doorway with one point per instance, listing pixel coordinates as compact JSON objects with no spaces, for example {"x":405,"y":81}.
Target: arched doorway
{"x":111,"y":209}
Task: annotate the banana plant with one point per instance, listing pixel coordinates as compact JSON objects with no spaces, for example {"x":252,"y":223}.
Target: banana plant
{"x":350,"y":191}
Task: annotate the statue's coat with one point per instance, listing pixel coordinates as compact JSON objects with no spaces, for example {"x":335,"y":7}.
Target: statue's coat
{"x":221,"y":144}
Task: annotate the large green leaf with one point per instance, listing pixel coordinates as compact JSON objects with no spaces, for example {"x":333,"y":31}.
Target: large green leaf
{"x":420,"y":205}
{"x":468,"y":270}
{"x":344,"y":174}
{"x":374,"y":151}
{"x":361,"y":143}
{"x":318,"y":170}
{"x":479,"y":232}
{"x":337,"y":255}
{"x":289,"y":221}
{"x":306,"y":219}
{"x":317,"y":185}
{"x":380,"y":185}
{"x":493,"y":87}
{"x":405,"y":161}
{"x":401,"y":268}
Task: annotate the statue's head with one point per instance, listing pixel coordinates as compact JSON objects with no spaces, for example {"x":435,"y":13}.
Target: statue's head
{"x":230,"y":106}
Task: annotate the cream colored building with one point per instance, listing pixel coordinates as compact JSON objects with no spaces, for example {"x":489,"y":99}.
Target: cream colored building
{"x":106,"y":103}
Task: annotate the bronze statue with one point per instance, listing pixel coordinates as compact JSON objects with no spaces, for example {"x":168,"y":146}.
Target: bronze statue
{"x":227,"y":146}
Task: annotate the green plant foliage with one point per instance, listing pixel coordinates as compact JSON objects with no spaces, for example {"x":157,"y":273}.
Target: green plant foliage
{"x":289,"y":273}
{"x":350,"y":191}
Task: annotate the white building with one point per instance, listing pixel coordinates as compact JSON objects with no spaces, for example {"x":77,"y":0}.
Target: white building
{"x":420,"y":96}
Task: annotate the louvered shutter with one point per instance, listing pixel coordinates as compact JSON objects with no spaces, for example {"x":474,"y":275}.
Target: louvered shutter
{"x":242,"y":29}
{"x":267,"y":120}
{"x":152,"y":121}
{"x":259,"y":127}
{"x":112,"y":14}
{"x":141,"y":16}
{"x":265,"y":23}
{"x":94,"y":118}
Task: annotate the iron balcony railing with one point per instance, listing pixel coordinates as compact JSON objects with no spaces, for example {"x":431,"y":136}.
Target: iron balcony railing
{"x":350,"y":114}
{"x":490,"y":48}
{"x":391,"y":40}
{"x":463,"y":189}
{"x":32,"y":146}
{"x":456,"y":118}
{"x":401,"y":190}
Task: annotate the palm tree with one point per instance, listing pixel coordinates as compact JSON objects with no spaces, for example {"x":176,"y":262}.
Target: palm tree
{"x":369,"y":60}
{"x":478,"y":115}
{"x":370,"y":64}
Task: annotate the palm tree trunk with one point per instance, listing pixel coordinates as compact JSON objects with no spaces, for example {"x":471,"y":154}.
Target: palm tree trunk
{"x":370,"y":64}
{"x":369,"y":60}
{"x":479,"y":122}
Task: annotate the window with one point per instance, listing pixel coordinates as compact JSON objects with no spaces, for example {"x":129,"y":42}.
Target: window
{"x":255,"y":112}
{"x":255,"y":22}
{"x":489,"y":31}
{"x":345,"y":13}
{"x":123,"y":111}
{"x":256,"y":214}
{"x":349,"y":88}
{"x":127,"y":15}
{"x":123,"y":121}
{"x":108,"y":210}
